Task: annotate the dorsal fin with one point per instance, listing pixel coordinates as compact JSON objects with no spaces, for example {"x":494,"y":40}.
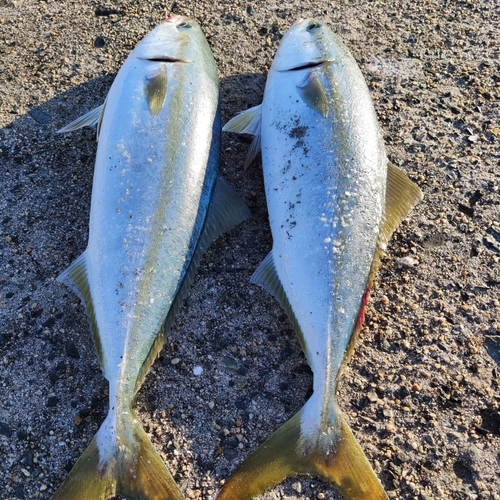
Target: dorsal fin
{"x":401,"y":196}
{"x":312,"y":92}
{"x":226,"y":210}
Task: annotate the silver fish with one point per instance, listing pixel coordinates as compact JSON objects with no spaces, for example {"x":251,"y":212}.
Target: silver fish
{"x":157,"y":203}
{"x":333,"y":202}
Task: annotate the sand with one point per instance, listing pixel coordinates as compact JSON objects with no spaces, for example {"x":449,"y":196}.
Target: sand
{"x":421,"y":392}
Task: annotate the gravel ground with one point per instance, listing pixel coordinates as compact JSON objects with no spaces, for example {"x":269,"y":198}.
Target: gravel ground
{"x":422,"y":390}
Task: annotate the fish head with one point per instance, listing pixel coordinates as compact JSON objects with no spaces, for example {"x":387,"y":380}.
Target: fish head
{"x":307,"y":44}
{"x":178,"y":39}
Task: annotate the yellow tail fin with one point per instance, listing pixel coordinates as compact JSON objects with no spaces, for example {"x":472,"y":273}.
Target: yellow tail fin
{"x":134,"y":470}
{"x":279,"y":457}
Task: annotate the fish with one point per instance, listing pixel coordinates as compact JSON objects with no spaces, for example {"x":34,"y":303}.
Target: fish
{"x":158,"y":201}
{"x":333,"y":200}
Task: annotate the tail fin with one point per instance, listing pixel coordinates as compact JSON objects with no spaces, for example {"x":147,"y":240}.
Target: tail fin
{"x":280,"y":457}
{"x":129,"y":466}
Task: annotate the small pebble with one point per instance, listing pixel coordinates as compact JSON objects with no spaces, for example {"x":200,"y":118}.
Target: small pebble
{"x":228,"y":363}
{"x":391,"y":428}
{"x":406,"y":262}
{"x":52,"y":401}
{"x":99,"y":42}
{"x":197,"y":370}
{"x":40,"y":116}
{"x":71,"y":350}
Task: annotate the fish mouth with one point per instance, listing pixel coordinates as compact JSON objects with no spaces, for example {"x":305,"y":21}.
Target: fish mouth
{"x":309,"y":65}
{"x":165,"y":59}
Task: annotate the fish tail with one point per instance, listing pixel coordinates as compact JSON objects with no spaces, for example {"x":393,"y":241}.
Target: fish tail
{"x":285,"y":455}
{"x":127,"y":465}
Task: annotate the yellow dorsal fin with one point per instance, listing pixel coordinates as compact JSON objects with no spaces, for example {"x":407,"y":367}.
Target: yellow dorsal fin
{"x":401,"y":196}
{"x":226,"y":210}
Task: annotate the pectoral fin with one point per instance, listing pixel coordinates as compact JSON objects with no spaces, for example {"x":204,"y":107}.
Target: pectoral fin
{"x":156,"y":90}
{"x":247,"y":122}
{"x":312,"y":92}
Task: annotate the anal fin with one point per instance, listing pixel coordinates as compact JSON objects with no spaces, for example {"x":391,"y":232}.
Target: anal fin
{"x":76,"y":278}
{"x":266,"y":276}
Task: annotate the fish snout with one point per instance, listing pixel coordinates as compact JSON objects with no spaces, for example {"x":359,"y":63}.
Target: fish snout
{"x":176,"y":18}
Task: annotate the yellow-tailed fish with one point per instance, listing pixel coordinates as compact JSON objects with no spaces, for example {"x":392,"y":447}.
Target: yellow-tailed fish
{"x":157,"y":203}
{"x":333,"y":202}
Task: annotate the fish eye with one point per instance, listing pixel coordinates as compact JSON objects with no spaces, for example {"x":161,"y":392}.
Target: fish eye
{"x":313,"y":26}
{"x":184,"y":25}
